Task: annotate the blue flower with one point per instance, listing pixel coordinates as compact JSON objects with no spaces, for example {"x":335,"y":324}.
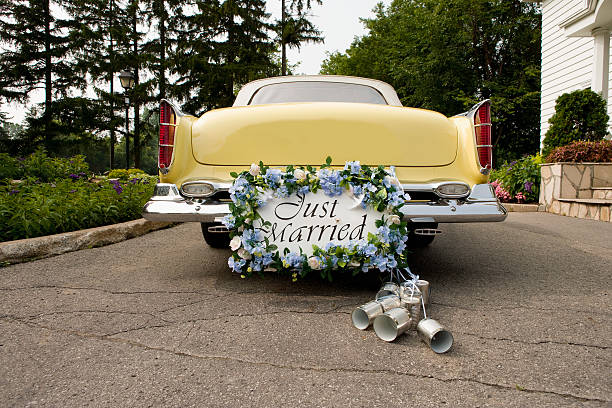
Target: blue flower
{"x":380,"y":262}
{"x":383,"y":234}
{"x":330,"y":182}
{"x":229,"y":221}
{"x":304,"y":189}
{"x":250,"y":239}
{"x":240,"y":190}
{"x":357,"y":190}
{"x":281,"y":192}
{"x":354,"y":166}
{"x":528,"y":185}
{"x":273,"y":177}
{"x":236,"y":265}
{"x":369,"y":250}
{"x":330,"y":246}
{"x":293,"y":260}
{"x":268,"y":258}
{"x":396,"y":198}
{"x":401,"y":246}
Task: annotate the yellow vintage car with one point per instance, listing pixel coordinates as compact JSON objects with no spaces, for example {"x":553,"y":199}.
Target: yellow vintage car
{"x":442,"y":162}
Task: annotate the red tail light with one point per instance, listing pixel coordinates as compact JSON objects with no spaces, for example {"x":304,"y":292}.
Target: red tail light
{"x":167,"y":123}
{"x":482,"y":125}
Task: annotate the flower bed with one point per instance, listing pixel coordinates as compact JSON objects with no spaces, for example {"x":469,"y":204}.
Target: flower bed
{"x":31,"y":208}
{"x":518,"y":181}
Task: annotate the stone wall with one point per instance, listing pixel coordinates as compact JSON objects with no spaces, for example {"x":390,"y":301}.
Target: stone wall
{"x":582,"y":190}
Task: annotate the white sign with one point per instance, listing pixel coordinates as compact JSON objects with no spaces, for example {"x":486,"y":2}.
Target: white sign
{"x":301,"y":221}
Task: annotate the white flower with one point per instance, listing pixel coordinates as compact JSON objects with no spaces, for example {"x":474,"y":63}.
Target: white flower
{"x":244,"y":254}
{"x":395,"y":219}
{"x":354,"y":264}
{"x":235,"y":243}
{"x":248,"y":221}
{"x":254,"y":171}
{"x":314,"y":263}
{"x":299,"y":174}
{"x":393,"y":181}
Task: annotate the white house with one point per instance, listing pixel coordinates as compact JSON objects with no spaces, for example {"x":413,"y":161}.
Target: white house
{"x":575,"y":51}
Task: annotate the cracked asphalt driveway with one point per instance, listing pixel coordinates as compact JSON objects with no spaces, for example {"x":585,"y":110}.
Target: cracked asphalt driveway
{"x":160,"y":321}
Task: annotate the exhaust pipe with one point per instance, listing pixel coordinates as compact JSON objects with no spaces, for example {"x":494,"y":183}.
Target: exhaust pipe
{"x":427,"y":231}
{"x":218,"y":229}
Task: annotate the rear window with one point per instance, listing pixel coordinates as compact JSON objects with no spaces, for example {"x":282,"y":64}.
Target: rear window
{"x":316,"y":91}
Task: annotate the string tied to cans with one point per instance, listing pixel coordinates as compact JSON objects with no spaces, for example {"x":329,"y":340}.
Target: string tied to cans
{"x":400,"y":307}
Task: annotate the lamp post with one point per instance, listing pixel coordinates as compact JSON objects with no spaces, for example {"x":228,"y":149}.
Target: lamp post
{"x":127,"y":82}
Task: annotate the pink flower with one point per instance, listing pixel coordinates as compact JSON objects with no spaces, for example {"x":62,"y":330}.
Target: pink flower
{"x":502,"y":194}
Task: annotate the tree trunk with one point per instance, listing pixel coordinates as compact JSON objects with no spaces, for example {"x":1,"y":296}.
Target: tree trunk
{"x":283,"y":45}
{"x":135,"y":101}
{"x":111,"y":78}
{"x":48,"y":83}
{"x":162,"y":54}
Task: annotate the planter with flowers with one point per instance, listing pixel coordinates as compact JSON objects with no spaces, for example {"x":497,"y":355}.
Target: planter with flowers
{"x":577,"y":180}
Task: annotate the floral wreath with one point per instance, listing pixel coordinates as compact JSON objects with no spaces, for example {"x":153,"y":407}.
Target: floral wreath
{"x":376,"y":187}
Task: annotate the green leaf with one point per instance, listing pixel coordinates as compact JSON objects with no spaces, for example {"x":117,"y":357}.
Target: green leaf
{"x":328,"y":160}
{"x":382,"y":193}
{"x":234,"y":174}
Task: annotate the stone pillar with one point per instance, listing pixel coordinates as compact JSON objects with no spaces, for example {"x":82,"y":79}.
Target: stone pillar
{"x":601,"y":61}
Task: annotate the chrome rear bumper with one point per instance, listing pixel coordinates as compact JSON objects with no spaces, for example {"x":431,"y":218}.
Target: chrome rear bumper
{"x":481,"y":206}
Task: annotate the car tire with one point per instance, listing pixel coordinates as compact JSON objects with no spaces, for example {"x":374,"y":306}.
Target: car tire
{"x":215,"y":239}
{"x":421,"y":241}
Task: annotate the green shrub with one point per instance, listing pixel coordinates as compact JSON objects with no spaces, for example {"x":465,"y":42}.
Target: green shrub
{"x":10,"y":167}
{"x":32,"y":209}
{"x":519,"y":180}
{"x":121,"y":174}
{"x":42,"y":167}
{"x":579,"y":115}
{"x":135,"y":171}
{"x":594,"y":152}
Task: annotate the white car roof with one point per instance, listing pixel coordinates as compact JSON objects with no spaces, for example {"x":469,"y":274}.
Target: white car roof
{"x":246,"y":93}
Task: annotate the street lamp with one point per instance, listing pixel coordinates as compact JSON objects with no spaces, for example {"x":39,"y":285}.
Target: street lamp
{"x":127,"y":82}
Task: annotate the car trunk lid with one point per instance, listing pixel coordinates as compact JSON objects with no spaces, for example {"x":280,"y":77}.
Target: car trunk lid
{"x":306,"y":133}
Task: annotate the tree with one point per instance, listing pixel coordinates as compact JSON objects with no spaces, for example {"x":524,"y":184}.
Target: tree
{"x":35,"y":54}
{"x":446,"y":56}
{"x":99,"y":30}
{"x":294,"y":28}
{"x":224,"y":45}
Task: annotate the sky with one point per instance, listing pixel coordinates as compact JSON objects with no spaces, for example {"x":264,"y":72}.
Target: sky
{"x":338,"y":20}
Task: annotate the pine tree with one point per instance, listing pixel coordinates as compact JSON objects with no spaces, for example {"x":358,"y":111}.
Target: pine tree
{"x":223,"y":46}
{"x":35,"y":54}
{"x":98,"y":30}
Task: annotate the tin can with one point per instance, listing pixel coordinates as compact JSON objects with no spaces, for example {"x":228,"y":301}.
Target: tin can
{"x":437,"y":337}
{"x":391,"y":324}
{"x":364,"y":315}
{"x":387,"y":289}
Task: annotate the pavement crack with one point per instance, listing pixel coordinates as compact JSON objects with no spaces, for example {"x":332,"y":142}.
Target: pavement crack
{"x":561,"y":343}
{"x":112,"y":292}
{"x":314,"y":368}
{"x":518,"y":307}
{"x":120,"y":312}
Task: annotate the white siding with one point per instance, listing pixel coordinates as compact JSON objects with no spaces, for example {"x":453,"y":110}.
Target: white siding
{"x":567,"y":63}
